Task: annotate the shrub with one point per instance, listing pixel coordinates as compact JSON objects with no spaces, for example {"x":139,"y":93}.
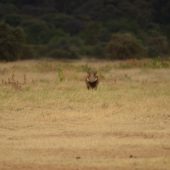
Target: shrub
{"x":13,"y":19}
{"x":67,"y":23}
{"x":61,"y":53}
{"x":65,"y":47}
{"x":37,"y":31}
{"x":94,"y":33}
{"x":123,"y":46}
{"x":157,"y":45}
{"x":11,"y":42}
{"x":28,"y":52}
{"x":7,"y":9}
{"x":93,"y":50}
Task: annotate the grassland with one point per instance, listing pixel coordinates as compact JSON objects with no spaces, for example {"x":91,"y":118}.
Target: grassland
{"x":49,"y":120}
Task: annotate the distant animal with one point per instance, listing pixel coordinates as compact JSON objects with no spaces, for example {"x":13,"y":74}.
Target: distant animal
{"x":92,"y":80}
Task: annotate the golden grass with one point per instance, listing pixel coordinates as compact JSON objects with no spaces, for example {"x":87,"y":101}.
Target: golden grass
{"x":54,"y":122}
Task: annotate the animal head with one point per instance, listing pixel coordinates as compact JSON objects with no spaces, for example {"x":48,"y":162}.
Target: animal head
{"x":92,"y":80}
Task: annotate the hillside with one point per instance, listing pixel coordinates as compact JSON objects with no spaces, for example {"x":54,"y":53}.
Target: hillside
{"x":70,"y":29}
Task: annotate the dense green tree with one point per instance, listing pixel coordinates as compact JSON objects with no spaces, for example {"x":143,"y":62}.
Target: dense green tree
{"x":56,"y":24}
{"x":11,"y":42}
{"x":13,"y":19}
{"x":161,"y":11}
{"x":65,"y":22}
{"x":92,"y":33}
{"x":38,"y":32}
{"x":124,"y":46}
{"x":156,"y":44}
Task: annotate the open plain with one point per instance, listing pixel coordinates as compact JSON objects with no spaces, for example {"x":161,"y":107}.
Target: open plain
{"x":50,"y":121}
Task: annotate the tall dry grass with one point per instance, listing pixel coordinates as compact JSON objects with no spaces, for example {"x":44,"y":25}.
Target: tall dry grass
{"x":53,"y":122}
{"x":44,"y":90}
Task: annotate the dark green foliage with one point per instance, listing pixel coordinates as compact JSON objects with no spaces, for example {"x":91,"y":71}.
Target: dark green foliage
{"x":94,"y":28}
{"x":38,"y":32}
{"x":13,"y":19}
{"x":157,"y":45}
{"x":65,"y":22}
{"x":93,"y":50}
{"x":11,"y":42}
{"x":63,"y":47}
{"x":6,"y":9}
{"x":94,"y":33}
{"x":124,"y":45}
{"x":61,"y":53}
{"x":28,"y":52}
{"x":161,"y":11}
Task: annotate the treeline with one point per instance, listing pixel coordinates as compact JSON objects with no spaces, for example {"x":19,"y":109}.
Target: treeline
{"x":113,"y":29}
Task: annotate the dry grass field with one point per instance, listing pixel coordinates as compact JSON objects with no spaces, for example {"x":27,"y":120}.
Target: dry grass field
{"x":50,"y":121}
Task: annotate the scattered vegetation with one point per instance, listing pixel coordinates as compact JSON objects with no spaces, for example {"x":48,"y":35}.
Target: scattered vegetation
{"x":64,"y":71}
{"x":60,"y":74}
{"x":14,"y":83}
{"x":144,"y":63}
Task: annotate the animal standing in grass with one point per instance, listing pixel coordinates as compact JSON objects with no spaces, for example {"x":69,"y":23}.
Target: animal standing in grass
{"x":92,"y":80}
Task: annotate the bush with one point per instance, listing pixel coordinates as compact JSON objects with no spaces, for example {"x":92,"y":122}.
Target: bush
{"x":11,"y":42}
{"x":94,"y":33}
{"x":38,"y":32}
{"x":61,"y":53}
{"x":7,"y":9}
{"x":93,"y":50}
{"x":67,"y":23}
{"x":157,"y":45}
{"x":122,"y":25}
{"x":123,"y":46}
{"x":28,"y":52}
{"x":14,"y":20}
{"x":64,"y":47}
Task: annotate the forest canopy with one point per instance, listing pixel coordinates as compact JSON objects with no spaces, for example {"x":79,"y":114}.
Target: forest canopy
{"x":113,"y":29}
